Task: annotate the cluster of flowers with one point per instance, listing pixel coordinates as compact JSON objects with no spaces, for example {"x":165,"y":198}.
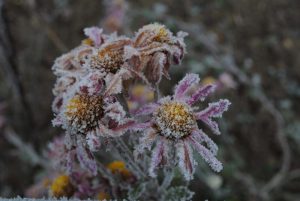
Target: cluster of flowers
{"x":92,"y":96}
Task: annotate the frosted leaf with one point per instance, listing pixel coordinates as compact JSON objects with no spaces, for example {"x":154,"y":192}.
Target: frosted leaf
{"x":184,"y":85}
{"x":178,"y":193}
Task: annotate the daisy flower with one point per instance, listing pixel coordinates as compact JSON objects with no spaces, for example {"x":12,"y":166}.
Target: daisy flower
{"x":88,"y":114}
{"x":173,"y":127}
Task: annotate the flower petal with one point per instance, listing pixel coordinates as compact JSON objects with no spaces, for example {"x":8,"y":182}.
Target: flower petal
{"x":213,"y":162}
{"x":146,"y":109}
{"x":185,"y":84}
{"x":201,"y":93}
{"x":213,"y":110}
{"x":158,"y":157}
{"x":86,"y":159}
{"x":95,"y":34}
{"x":200,"y":136}
{"x":186,"y":161}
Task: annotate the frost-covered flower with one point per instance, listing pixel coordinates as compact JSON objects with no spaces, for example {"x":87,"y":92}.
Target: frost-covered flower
{"x":154,"y":49}
{"x":88,"y":110}
{"x":173,"y":125}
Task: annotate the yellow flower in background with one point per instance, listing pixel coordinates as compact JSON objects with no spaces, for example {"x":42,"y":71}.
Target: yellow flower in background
{"x":103,"y":196}
{"x":208,"y":80}
{"x":142,"y":91}
{"x":140,"y":94}
{"x":87,"y":41}
{"x":119,"y":167}
{"x":61,"y":187}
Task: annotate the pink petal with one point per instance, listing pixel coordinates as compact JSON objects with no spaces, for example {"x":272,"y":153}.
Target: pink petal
{"x":200,"y":136}
{"x":185,"y":84}
{"x":186,"y":161}
{"x":201,"y":93}
{"x":158,"y":157}
{"x":207,"y":155}
{"x":95,"y":34}
{"x":146,"y":109}
{"x":154,"y":69}
{"x":213,"y":110}
{"x":86,"y":159}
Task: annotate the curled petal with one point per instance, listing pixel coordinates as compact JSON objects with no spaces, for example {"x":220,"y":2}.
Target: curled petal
{"x":186,"y":162}
{"x":207,"y":155}
{"x":95,"y":34}
{"x":154,"y":69}
{"x":213,"y":110}
{"x":146,"y":109}
{"x":125,"y":126}
{"x":114,"y":82}
{"x":201,"y":93}
{"x":183,"y":86}
{"x":116,"y":131}
{"x":91,"y":84}
{"x":115,"y":111}
{"x":86,"y":159}
{"x":200,"y":136}
{"x":158,"y":157}
{"x":130,"y":52}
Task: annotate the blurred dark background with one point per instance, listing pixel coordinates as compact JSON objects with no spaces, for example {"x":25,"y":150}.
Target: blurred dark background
{"x":250,"y":47}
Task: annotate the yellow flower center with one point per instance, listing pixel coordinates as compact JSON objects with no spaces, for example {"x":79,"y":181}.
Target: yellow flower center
{"x":108,"y":60}
{"x":84,"y":112}
{"x":61,"y":187}
{"x":162,"y":35}
{"x":174,"y":120}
